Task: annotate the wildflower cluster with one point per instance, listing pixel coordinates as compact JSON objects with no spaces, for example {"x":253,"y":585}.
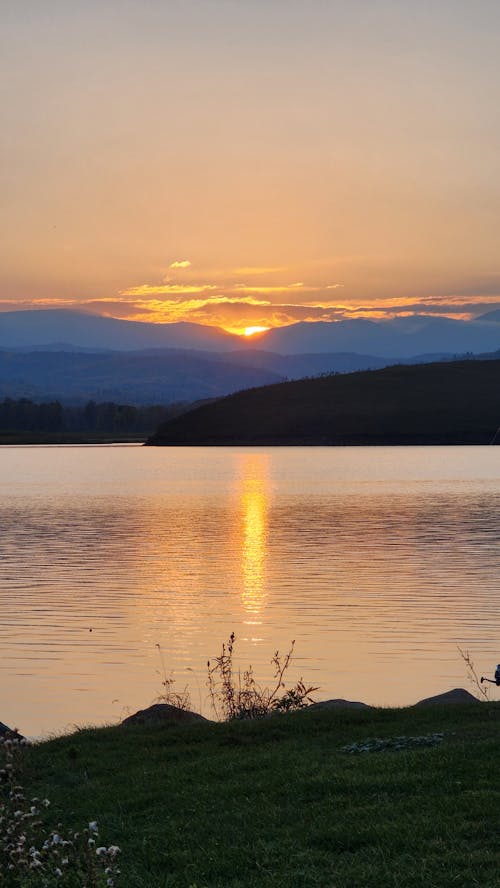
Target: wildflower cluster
{"x":382,"y":744}
{"x":32,"y":856}
{"x":237,"y":695}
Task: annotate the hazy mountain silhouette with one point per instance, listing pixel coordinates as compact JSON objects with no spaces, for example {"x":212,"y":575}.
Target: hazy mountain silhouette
{"x":454,"y":402}
{"x":159,"y":376}
{"x":25,"y":329}
{"x":297,"y":366}
{"x":398,"y":338}
{"x":490,"y":316}
{"x":127,"y":377}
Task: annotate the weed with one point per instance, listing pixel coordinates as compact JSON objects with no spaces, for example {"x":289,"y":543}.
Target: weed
{"x":180,"y":699}
{"x":472,"y":676}
{"x":236,"y":695}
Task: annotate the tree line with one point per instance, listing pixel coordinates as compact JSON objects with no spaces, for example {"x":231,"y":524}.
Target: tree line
{"x":24,"y":415}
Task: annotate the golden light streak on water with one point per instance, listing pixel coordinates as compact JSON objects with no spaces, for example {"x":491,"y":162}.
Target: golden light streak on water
{"x":254,"y":508}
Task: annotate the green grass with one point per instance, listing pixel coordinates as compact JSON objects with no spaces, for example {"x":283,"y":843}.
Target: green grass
{"x":276,"y":803}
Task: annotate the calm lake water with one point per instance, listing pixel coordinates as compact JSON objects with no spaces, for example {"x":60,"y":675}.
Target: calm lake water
{"x":377,"y":561}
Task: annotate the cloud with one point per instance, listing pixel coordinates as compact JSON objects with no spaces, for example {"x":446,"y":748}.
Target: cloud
{"x":167,"y":289}
{"x":233,"y":304}
{"x":180,"y":263}
{"x":274,"y":289}
{"x":235,"y":311}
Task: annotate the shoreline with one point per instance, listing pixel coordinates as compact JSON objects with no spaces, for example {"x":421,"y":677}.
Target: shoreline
{"x":168,"y":715}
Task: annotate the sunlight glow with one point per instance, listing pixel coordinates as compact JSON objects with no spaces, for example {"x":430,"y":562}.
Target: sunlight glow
{"x":250,"y":331}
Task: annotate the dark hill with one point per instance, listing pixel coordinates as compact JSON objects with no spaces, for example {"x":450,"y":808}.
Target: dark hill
{"x":450,"y":403}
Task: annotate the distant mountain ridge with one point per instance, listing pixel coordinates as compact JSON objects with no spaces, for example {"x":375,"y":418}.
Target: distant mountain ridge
{"x":44,"y":327}
{"x":398,"y":338}
{"x":137,"y":378}
{"x":164,"y":376}
{"x":394,"y":338}
{"x":74,"y":357}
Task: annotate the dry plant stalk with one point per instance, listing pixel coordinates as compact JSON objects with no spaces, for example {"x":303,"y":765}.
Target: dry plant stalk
{"x":180,"y":699}
{"x":472,"y":676}
{"x":236,"y":695}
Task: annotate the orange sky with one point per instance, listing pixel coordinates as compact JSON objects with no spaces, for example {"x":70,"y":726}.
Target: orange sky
{"x":251,"y":164}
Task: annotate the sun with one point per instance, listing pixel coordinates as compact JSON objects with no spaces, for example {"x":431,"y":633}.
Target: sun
{"x":250,"y":331}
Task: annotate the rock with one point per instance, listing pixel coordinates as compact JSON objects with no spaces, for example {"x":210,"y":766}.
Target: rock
{"x":457,"y":695}
{"x":7,"y":733}
{"x":163,"y":712}
{"x":339,"y":704}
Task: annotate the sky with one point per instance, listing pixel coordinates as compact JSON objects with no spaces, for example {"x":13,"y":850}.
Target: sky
{"x":250,"y":162}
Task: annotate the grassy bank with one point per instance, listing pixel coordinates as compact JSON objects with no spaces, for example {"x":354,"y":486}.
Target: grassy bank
{"x":276,"y":803}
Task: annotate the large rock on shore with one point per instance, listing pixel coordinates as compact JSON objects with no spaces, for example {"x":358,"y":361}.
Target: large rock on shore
{"x":338,"y":703}
{"x":457,"y":695}
{"x":160,"y":713}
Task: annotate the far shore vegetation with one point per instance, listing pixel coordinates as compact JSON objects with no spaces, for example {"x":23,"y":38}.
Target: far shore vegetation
{"x":26,"y":422}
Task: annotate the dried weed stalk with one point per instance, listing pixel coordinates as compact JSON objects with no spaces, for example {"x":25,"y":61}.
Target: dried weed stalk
{"x":236,"y":695}
{"x":472,"y":676}
{"x":180,"y":699}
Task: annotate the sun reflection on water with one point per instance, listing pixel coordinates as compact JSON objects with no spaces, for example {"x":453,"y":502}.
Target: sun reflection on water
{"x":254,"y":500}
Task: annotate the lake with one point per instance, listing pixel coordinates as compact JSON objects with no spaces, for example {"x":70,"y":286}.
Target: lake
{"x":379,"y":562}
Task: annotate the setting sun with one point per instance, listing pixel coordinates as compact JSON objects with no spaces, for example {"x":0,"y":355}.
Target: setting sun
{"x":250,"y":331}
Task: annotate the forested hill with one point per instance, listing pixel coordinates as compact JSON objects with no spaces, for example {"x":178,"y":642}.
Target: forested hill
{"x":432,"y":403}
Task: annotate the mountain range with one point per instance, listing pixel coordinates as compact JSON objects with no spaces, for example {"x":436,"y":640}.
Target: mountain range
{"x":394,"y":338}
{"x":74,"y":356}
